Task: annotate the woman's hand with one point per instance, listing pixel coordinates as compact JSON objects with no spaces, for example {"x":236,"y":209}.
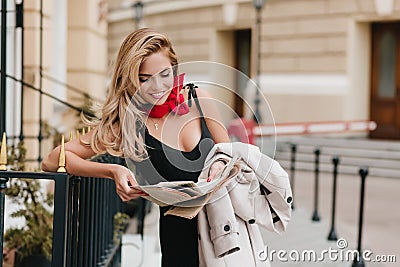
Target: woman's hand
{"x":215,"y":168}
{"x":124,"y":181}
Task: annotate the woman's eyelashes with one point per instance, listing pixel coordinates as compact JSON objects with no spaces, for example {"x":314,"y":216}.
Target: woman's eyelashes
{"x":143,"y":80}
{"x":165,"y":73}
{"x":145,"y":77}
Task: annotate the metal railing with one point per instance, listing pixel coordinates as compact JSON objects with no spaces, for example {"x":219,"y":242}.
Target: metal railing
{"x":61,"y":209}
{"x":83,"y":224}
{"x":332,"y":236}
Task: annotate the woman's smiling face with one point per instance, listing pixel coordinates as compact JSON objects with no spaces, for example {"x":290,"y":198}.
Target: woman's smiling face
{"x":156,"y":78}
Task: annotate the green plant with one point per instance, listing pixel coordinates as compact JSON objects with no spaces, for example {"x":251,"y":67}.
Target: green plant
{"x":35,"y":207}
{"x":35,"y":237}
{"x":16,"y":159}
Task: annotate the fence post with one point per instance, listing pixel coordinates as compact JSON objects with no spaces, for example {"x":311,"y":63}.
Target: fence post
{"x":3,"y":67}
{"x":332,"y":233}
{"x":3,"y":187}
{"x":315,"y":216}
{"x":292,"y":169}
{"x":358,"y":260}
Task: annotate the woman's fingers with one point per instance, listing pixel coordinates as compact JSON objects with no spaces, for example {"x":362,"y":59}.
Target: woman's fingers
{"x":133,"y":191}
{"x":131,"y":181}
{"x":139,"y":193}
{"x":214,"y":169}
{"x":125,"y":186}
{"x":130,"y":194}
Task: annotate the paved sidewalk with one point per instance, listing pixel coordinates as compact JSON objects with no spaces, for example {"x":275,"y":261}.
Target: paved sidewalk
{"x":303,"y":244}
{"x":381,"y":225}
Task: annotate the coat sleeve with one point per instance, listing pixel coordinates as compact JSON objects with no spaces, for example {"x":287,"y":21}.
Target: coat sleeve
{"x":224,"y":229}
{"x":277,"y":197}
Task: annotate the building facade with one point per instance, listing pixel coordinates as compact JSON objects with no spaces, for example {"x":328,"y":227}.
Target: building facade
{"x":56,"y":56}
{"x":320,"y":60}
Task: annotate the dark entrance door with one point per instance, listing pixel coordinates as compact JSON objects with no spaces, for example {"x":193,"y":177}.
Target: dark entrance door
{"x":242,"y":63}
{"x":385,"y":82}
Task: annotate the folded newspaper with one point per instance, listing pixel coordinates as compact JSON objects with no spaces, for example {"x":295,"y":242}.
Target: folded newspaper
{"x":187,"y":198}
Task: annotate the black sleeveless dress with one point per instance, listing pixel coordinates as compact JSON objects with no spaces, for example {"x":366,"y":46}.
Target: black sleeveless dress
{"x":178,"y":236}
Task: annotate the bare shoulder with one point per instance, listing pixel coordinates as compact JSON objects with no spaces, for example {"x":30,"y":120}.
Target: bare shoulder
{"x":203,"y":93}
{"x":206,"y":100}
{"x":207,"y":103}
{"x":212,"y":116}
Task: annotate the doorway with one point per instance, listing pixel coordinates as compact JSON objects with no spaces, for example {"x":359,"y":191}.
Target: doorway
{"x":242,"y":40}
{"x":385,"y":80}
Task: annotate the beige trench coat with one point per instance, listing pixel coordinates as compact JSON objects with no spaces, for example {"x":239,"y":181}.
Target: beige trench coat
{"x":259,"y":195}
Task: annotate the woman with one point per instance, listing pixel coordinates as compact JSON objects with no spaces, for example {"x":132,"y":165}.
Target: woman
{"x":145,"y":119}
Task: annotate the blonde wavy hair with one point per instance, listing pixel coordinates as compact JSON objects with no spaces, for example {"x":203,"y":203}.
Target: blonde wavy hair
{"x":117,"y":131}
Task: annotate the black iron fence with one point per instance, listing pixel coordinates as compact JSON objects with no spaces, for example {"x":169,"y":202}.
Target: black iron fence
{"x":61,"y":209}
{"x":84,"y":212}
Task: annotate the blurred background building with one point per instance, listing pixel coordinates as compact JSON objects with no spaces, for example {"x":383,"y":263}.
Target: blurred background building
{"x":319,"y":60}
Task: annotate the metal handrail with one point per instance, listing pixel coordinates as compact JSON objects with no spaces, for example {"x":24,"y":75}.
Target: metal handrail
{"x":84,"y":209}
{"x":70,"y":87}
{"x":30,"y":86}
{"x":60,"y":210}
